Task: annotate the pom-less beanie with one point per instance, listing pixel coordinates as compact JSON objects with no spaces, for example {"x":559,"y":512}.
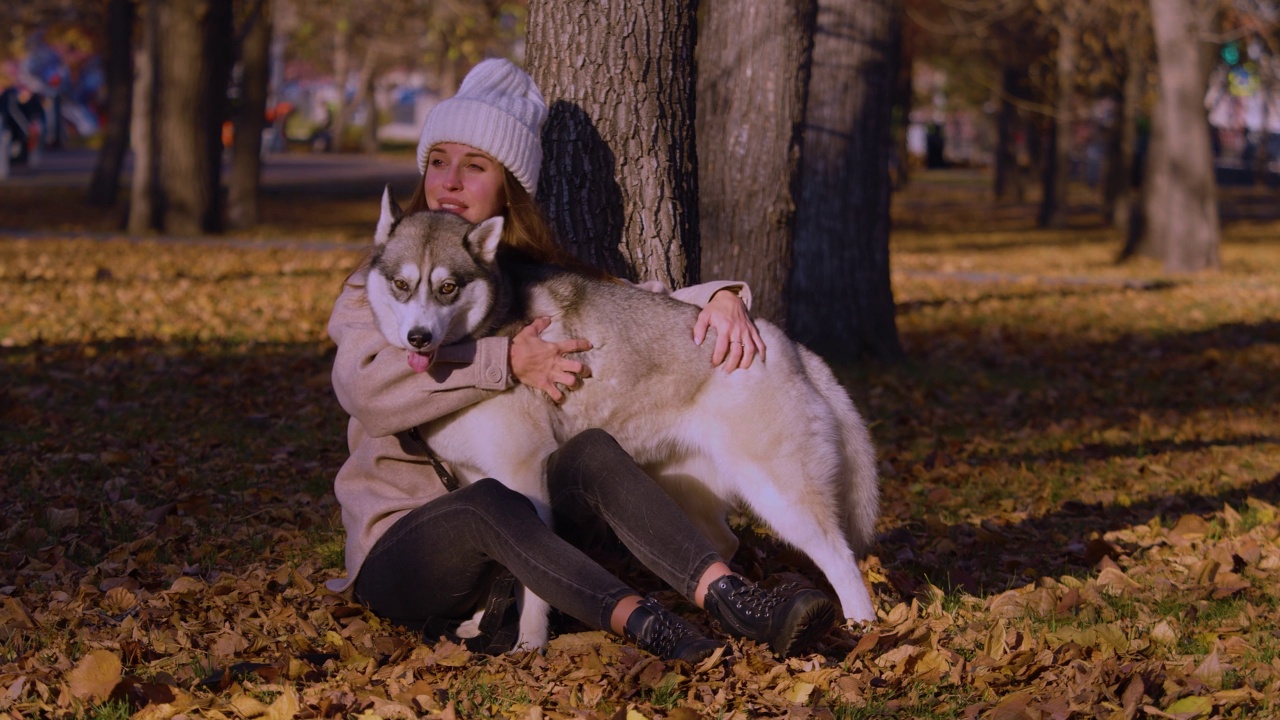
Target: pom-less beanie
{"x":498,"y":110}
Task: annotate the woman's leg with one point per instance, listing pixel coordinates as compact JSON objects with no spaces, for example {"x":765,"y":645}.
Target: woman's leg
{"x":592,"y":476}
{"x":592,"y":470}
{"x":434,"y":562}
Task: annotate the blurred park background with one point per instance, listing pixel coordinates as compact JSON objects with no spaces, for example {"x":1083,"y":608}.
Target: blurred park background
{"x":808,"y":117}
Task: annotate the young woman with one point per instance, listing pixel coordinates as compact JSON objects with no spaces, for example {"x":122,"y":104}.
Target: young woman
{"x":425,"y":557}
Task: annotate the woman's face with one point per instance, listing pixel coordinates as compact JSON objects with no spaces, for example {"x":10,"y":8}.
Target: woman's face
{"x":463,"y":180}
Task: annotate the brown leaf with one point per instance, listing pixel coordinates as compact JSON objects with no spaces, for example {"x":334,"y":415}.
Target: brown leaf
{"x":62,"y":518}
{"x":1190,"y":527}
{"x":1013,"y":707}
{"x":94,"y":677}
{"x":1132,"y":697}
{"x":13,"y":615}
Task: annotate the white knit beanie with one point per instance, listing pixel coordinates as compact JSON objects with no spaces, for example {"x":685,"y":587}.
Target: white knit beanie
{"x":497,"y":110}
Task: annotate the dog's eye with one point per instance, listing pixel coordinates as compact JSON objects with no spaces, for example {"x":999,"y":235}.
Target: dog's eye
{"x":401,"y":284}
{"x":448,"y":287}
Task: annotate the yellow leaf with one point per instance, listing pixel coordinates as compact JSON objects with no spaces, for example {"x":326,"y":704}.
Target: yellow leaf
{"x":1190,"y":707}
{"x":246,"y":706}
{"x":800,"y":692}
{"x":95,"y":675}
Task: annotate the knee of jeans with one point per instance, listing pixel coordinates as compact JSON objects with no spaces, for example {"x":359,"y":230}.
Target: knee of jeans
{"x":496,"y":499}
{"x":586,"y":446}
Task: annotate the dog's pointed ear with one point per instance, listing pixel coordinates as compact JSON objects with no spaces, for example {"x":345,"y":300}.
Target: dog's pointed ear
{"x":391,"y":214}
{"x":484,"y":238}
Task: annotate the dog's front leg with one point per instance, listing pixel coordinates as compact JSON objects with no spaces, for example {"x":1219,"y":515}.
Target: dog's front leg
{"x":534,"y":621}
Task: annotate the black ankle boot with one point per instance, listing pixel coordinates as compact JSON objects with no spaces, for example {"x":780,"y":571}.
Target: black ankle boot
{"x":668,"y":635}
{"x":789,"y":620}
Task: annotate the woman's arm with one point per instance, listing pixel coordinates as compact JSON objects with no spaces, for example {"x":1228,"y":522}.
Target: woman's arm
{"x":725,"y":307}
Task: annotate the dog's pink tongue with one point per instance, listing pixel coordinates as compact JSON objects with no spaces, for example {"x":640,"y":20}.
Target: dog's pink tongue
{"x":419,"y":362}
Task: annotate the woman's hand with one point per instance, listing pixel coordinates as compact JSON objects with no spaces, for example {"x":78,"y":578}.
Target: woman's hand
{"x":737,"y":340}
{"x":541,"y":364}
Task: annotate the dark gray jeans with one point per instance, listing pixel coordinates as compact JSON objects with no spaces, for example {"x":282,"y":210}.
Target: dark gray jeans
{"x":436,"y":563}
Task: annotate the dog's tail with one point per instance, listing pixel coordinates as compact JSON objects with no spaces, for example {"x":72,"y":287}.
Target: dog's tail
{"x":861,"y":496}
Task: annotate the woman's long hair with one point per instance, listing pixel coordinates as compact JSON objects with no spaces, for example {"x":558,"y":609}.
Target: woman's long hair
{"x":525,"y":230}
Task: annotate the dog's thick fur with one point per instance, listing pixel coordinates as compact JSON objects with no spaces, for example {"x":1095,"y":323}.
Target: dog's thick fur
{"x":782,"y":438}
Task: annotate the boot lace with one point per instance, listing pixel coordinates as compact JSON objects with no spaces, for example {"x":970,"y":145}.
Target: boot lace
{"x":666,"y":633}
{"x":754,"y":601}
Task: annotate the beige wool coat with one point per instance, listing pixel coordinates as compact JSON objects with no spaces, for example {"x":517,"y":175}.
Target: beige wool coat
{"x":384,"y":479}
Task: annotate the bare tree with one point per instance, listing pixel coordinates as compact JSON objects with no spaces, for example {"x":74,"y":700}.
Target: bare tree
{"x":254,"y":41}
{"x":144,"y":198}
{"x":753,"y":74}
{"x":105,"y":185}
{"x":191,"y":90}
{"x":1180,"y":205}
{"x":1053,"y":207}
{"x":841,"y":298}
{"x":619,"y":172}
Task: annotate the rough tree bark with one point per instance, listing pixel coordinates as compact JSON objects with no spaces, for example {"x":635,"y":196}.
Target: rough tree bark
{"x":619,"y":171}
{"x":250,"y":120}
{"x":753,"y":72}
{"x":104,"y":188}
{"x":192,"y":80}
{"x":143,"y":195}
{"x":841,"y":299}
{"x":1180,"y":202}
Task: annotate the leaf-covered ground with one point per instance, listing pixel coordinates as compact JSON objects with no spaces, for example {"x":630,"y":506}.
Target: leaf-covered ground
{"x":1081,"y":472}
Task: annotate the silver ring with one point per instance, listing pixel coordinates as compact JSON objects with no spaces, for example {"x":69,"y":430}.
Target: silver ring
{"x":735,"y":342}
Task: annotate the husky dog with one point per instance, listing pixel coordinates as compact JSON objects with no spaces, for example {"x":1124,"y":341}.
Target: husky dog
{"x":781,"y":438}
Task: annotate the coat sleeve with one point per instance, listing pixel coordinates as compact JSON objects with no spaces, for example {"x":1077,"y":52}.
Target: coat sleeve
{"x":700,"y":295}
{"x":376,"y":386}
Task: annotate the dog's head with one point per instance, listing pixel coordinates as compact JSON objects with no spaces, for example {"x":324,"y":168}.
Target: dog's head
{"x":431,"y":278}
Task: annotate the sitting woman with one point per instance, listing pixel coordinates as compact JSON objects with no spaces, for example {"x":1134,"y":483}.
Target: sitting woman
{"x":425,"y":557}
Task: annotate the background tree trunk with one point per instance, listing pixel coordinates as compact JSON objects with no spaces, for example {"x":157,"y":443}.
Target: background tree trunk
{"x":1053,"y":207}
{"x":194,"y":63}
{"x":341,"y":74}
{"x":1007,"y":181}
{"x":105,"y":186}
{"x":144,"y":196}
{"x":841,"y":299}
{"x":1181,"y":206}
{"x":753,"y":70}
{"x":246,"y":152}
{"x":1119,"y":195}
{"x":619,"y":171}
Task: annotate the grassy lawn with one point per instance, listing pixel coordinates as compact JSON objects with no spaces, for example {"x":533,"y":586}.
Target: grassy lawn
{"x":1080,"y":462}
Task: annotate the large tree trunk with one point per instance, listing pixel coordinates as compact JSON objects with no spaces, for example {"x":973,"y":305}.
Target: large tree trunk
{"x":1053,"y":207}
{"x":841,"y":299}
{"x":246,"y":152}
{"x":619,"y":171}
{"x":1007,"y":180}
{"x":1180,"y":205}
{"x":195,"y":39}
{"x":753,"y":71}
{"x":105,"y":186}
{"x":143,"y":195}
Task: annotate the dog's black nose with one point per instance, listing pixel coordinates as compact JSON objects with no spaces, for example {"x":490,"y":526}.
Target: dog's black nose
{"x":419,"y":337}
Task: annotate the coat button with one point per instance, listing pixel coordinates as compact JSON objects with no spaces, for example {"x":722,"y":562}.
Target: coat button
{"x":494,"y":375}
